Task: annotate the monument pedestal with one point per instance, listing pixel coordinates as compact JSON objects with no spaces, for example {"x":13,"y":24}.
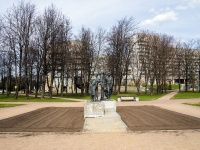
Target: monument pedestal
{"x":94,"y":109}
{"x":110,"y":105}
{"x":98,"y":109}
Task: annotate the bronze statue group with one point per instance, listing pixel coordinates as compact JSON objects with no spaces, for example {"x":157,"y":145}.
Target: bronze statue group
{"x":106,"y":83}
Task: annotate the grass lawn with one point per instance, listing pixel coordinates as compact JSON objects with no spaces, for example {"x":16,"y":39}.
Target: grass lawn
{"x":9,"y":105}
{"x":174,"y":86}
{"x":22,"y":98}
{"x":142,"y":96}
{"x":193,"y":104}
{"x":75,"y":96}
{"x":186,"y":95}
{"x":4,"y":98}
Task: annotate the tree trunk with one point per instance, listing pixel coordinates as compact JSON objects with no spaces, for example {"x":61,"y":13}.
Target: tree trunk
{"x":37,"y":86}
{"x":186,"y":81}
{"x":43,"y":86}
{"x":126,"y":80}
{"x":62,"y":83}
{"x":138,"y":88}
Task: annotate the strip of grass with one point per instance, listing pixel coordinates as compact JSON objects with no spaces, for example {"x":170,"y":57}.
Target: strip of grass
{"x":22,"y":98}
{"x":193,"y":104}
{"x":75,"y":96}
{"x":186,"y":95}
{"x":142,"y":96}
{"x":145,"y":97}
{"x":4,"y":98}
{"x":9,"y":105}
{"x":173,"y":86}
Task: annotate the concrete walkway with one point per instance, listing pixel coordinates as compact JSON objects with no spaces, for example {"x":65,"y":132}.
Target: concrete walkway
{"x":111,"y":122}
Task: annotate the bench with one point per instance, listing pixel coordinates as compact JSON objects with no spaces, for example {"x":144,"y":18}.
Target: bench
{"x":128,"y":99}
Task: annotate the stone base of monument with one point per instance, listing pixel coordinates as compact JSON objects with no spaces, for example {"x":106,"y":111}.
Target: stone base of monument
{"x":94,"y":109}
{"x":110,"y":105}
{"x":99,"y":108}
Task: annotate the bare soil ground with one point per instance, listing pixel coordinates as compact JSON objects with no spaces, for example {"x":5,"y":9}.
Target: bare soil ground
{"x":50,"y":119}
{"x":141,"y":118}
{"x":70,"y":119}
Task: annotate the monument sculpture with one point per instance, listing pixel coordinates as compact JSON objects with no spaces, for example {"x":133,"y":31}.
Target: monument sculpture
{"x":109,"y":84}
{"x":98,"y":107}
{"x":93,"y":88}
{"x":102,"y":83}
{"x":106,"y":83}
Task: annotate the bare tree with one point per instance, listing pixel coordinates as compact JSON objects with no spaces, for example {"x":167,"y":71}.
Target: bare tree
{"x":198,"y":61}
{"x":49,"y":29}
{"x":2,"y":60}
{"x":156,"y":59}
{"x":18,"y":27}
{"x":36,"y":64}
{"x":99,"y":49}
{"x":119,"y":50}
{"x":87,"y":58}
{"x":43,"y":29}
{"x":2,"y":71}
{"x":7,"y":62}
{"x":178,"y":62}
{"x":188,"y":63}
{"x":138,"y":58}
{"x":75,"y":64}
{"x":63,"y":57}
{"x":165,"y":55}
{"x":146,"y":63}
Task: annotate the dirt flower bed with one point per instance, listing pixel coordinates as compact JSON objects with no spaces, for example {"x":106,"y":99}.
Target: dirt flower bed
{"x":71,"y":119}
{"x":140,"y":118}
{"x":50,"y":119}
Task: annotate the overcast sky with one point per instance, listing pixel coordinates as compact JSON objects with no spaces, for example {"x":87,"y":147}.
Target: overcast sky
{"x":180,"y":18}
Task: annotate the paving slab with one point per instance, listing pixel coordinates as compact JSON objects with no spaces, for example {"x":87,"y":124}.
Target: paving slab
{"x":111,"y":122}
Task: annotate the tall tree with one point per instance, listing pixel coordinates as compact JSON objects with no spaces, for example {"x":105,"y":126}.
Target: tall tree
{"x":87,"y":58}
{"x":63,"y":57}
{"x":188,"y":63}
{"x":198,"y":48}
{"x":178,"y":62}
{"x":138,"y":59}
{"x":18,"y":31}
{"x":100,"y":42}
{"x":52,"y":31}
{"x":156,"y":55}
{"x":119,"y":50}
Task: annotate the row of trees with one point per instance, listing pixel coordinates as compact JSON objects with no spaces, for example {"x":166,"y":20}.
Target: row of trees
{"x":38,"y":50}
{"x":33,"y":46}
{"x":152,"y":58}
{"x":162,"y":59}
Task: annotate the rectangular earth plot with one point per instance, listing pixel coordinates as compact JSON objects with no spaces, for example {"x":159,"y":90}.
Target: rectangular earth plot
{"x":141,"y":118}
{"x":50,"y":119}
